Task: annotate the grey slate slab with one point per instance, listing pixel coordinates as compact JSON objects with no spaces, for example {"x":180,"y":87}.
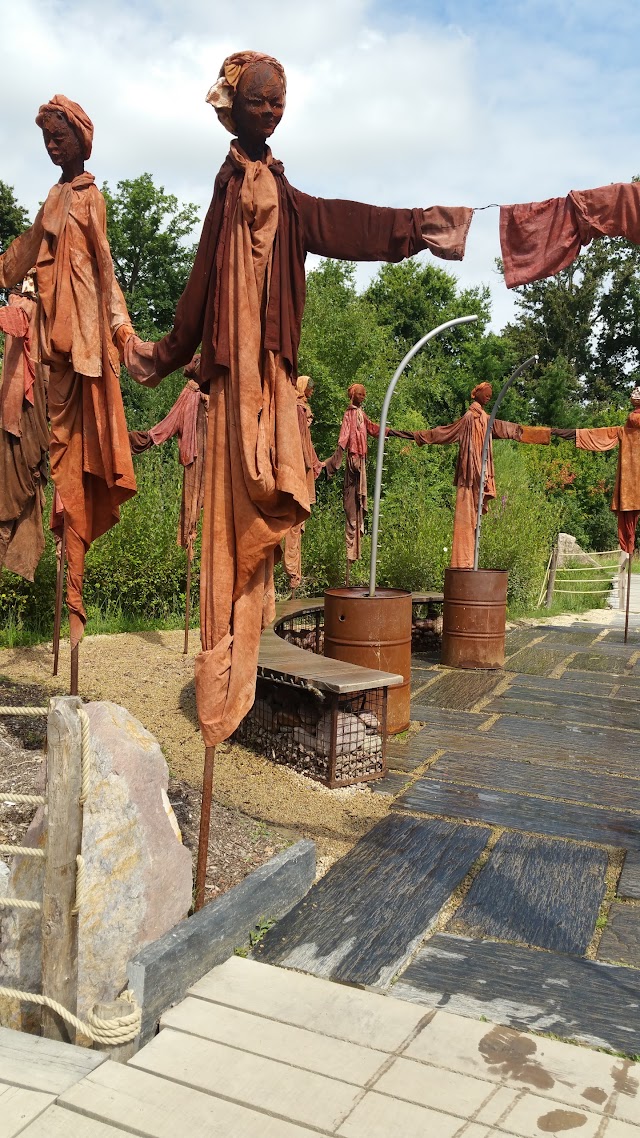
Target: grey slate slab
{"x":569,"y":682}
{"x":629,"y":883}
{"x":598,"y":662}
{"x":161,"y":974}
{"x":562,"y":782}
{"x":536,"y":891}
{"x":459,"y":690}
{"x":362,"y":920}
{"x":569,"y":707}
{"x":597,"y":1004}
{"x":621,"y":937}
{"x":520,"y":812}
{"x":539,"y":661}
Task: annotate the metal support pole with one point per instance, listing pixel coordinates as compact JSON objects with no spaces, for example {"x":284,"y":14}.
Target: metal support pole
{"x":621,"y":581}
{"x":57,"y":617}
{"x":486,"y":445}
{"x":626,"y":618}
{"x":205,"y":824}
{"x":551,"y":583}
{"x":383,"y":424}
{"x":75,"y":668}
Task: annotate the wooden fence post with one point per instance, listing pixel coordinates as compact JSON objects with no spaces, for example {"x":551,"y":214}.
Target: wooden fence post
{"x":64,"y":837}
{"x":551,"y":583}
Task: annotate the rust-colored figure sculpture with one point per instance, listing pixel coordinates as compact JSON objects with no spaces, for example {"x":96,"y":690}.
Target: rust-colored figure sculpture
{"x":82,"y":315}
{"x":24,"y":438}
{"x":626,"y":494}
{"x":187,"y":420}
{"x":469,"y":432}
{"x":353,"y":440}
{"x":292,"y":555}
{"x":244,"y":301}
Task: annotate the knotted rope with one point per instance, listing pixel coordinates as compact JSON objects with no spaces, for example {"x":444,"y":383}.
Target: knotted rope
{"x":124,"y":1029}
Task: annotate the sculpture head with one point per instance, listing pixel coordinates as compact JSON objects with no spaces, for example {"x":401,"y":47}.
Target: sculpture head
{"x":482,"y":393}
{"x":249,"y":98}
{"x":304,"y":386}
{"x":635,"y":398}
{"x":68,"y":134}
{"x":357,"y":394}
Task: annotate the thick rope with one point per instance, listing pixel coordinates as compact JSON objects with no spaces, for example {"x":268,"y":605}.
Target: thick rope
{"x":27,"y":799}
{"x":24,"y":710}
{"x":16,"y":903}
{"x":23,"y":851}
{"x":81,"y":885}
{"x":85,"y":751}
{"x":124,"y":1029}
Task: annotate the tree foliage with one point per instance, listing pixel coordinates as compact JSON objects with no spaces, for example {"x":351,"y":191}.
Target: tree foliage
{"x":14,"y":218}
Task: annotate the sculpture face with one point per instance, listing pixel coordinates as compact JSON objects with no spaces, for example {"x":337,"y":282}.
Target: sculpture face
{"x":258,"y":105}
{"x":483,"y":397}
{"x":358,"y":398}
{"x":61,"y":141}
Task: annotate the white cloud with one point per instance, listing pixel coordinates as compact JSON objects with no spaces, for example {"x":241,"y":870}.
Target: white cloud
{"x":382,"y":107}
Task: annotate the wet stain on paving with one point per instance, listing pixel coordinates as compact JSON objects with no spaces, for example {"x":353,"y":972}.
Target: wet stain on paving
{"x":557,"y":1121}
{"x":512,"y":1056}
{"x":624,"y":1082}
{"x":596,"y":1095}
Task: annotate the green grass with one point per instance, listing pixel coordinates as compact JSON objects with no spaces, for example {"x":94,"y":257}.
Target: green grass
{"x":100,"y":623}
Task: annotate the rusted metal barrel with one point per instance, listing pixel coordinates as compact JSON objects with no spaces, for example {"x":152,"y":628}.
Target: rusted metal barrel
{"x":374,"y":632}
{"x":474,"y":618}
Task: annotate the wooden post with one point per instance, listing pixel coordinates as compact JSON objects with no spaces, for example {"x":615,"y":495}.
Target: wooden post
{"x":205,"y":824}
{"x":64,"y":838}
{"x":626,"y":619}
{"x":57,"y":617}
{"x":75,"y":668}
{"x":551,"y":583}
{"x":621,"y":580}
{"x":187,"y":607}
{"x":119,"y":1052}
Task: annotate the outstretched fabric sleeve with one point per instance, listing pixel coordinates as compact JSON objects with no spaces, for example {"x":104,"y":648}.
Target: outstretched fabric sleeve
{"x":539,"y":239}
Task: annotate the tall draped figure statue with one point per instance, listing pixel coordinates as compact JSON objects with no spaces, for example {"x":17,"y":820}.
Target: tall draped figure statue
{"x":244,"y":301}
{"x":626,"y":493}
{"x":24,"y":437}
{"x":82,"y":322}
{"x":469,"y":432}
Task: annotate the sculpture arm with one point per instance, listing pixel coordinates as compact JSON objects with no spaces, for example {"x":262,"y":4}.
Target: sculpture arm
{"x":352,"y":231}
{"x":439,"y":436}
{"x":519,"y":433}
{"x":21,"y":255}
{"x":568,"y":433}
{"x":598,"y":438}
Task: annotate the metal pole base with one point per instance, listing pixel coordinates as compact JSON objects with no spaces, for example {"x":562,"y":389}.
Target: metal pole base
{"x":205,"y":824}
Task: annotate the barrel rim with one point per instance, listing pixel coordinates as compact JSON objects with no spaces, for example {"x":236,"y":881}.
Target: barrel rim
{"x":361,"y":593}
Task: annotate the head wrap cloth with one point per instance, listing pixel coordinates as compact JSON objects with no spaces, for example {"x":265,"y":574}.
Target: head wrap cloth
{"x":75,"y":115}
{"x":222,"y":94}
{"x":482,"y":389}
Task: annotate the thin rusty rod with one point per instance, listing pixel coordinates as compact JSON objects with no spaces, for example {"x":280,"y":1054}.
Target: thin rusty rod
{"x":346,"y":579}
{"x":57,"y":618}
{"x":187,"y":606}
{"x":75,"y":667}
{"x":626,"y":618}
{"x":205,"y":824}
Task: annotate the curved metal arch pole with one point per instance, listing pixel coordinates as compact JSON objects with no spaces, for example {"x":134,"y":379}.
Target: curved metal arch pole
{"x":485,"y":448}
{"x":383,"y":424}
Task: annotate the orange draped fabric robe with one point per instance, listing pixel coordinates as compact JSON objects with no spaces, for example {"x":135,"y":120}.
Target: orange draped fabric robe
{"x":355,"y":431}
{"x":81,"y":312}
{"x":292,"y":557}
{"x":626,"y":493}
{"x":24,"y":440}
{"x":469,"y":432}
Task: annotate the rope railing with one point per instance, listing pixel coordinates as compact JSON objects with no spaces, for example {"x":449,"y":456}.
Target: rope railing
{"x":112,"y":1032}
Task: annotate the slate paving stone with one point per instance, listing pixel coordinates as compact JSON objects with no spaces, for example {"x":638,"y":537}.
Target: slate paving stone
{"x":536,"y":891}
{"x":434,"y":717}
{"x":420,"y":677}
{"x":568,"y":683}
{"x":538,"y":661}
{"x":392,"y":783}
{"x":629,"y":883}
{"x":569,"y":635}
{"x":520,"y":812}
{"x":597,"y":662}
{"x":571,"y":707}
{"x":459,"y":690}
{"x":565,"y":783}
{"x":621,"y":938}
{"x":362,"y":920}
{"x":592,"y":1003}
{"x":618,"y":751}
{"x":519,"y":638}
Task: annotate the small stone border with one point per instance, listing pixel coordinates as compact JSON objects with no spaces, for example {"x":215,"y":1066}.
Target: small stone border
{"x":162,"y":973}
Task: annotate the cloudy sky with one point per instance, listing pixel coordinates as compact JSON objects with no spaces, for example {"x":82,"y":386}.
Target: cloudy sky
{"x":412,"y":102}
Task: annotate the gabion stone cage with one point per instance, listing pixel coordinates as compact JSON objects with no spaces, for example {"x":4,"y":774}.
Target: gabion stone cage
{"x":338,"y":739}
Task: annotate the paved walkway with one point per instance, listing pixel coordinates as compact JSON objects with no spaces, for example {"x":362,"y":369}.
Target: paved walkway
{"x":258,"y":1052}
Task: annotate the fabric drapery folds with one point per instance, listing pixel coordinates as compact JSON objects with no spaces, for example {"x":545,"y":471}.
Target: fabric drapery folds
{"x":81,"y":312}
{"x":539,"y":239}
{"x":24,"y":440}
{"x":355,"y":431}
{"x":292,"y":554}
{"x":626,"y":493}
{"x":469,"y":432}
